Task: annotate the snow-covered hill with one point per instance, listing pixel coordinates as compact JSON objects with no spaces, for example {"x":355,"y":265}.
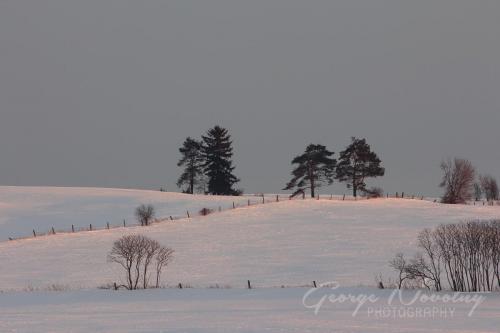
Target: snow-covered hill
{"x":285,"y":243}
{"x":23,"y":209}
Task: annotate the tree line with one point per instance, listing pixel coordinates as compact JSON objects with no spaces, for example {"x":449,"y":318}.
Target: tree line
{"x":208,"y":167}
{"x":466,"y":254}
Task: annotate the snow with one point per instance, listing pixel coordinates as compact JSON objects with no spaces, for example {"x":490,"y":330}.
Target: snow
{"x":23,"y":209}
{"x":235,"y":310}
{"x":287,"y":243}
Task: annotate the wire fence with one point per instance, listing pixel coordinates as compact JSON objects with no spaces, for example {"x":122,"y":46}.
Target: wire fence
{"x":258,"y":199}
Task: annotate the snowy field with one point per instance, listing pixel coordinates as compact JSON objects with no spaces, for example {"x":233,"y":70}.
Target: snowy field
{"x":23,"y":209}
{"x":238,"y":310}
{"x":290,"y":243}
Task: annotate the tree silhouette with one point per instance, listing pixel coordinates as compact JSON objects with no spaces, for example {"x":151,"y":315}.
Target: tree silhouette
{"x":356,"y":163}
{"x":314,"y":167}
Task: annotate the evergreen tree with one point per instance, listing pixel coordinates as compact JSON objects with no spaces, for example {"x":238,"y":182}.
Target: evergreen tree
{"x":356,"y":163}
{"x":314,"y":167}
{"x":218,"y":166}
{"x":192,"y":161}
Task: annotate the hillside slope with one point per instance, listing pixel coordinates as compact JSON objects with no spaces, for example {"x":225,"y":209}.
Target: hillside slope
{"x":23,"y":209}
{"x":286,"y":243}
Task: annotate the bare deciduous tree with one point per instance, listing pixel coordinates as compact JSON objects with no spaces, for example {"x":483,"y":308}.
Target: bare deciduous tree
{"x":399,"y":264}
{"x":489,"y":187}
{"x":145,"y":214}
{"x":163,"y":258}
{"x":458,"y":180}
{"x":135,"y":253}
{"x":469,"y":254}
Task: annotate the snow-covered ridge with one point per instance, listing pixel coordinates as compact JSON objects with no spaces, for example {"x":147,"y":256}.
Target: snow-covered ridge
{"x":285,"y":243}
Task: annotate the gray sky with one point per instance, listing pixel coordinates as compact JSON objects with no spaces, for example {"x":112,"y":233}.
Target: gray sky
{"x":102,"y":93}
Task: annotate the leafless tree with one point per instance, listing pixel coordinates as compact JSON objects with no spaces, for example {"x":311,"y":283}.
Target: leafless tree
{"x":458,"y":180}
{"x":489,"y":187}
{"x":478,"y":192}
{"x":399,"y":264}
{"x":163,"y":258}
{"x":145,"y":214}
{"x":468,"y":252}
{"x":135,"y":253}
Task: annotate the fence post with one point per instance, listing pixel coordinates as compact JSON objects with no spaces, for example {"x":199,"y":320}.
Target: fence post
{"x":331,"y":196}
{"x":233,"y":205}
{"x":249,"y":202}
{"x":343,"y":198}
{"x":171,"y":218}
{"x":249,"y":285}
{"x":263,"y":200}
{"x":72,"y":228}
{"x":397,"y":196}
{"x":34,"y":233}
{"x":115,"y":286}
{"x":53,"y":231}
{"x":402,"y":194}
{"x":314,"y":284}
{"x":124,"y":225}
{"x":277,"y":198}
{"x":107,"y":225}
{"x":90,"y":226}
{"x":187,"y":211}
{"x":180,"y":285}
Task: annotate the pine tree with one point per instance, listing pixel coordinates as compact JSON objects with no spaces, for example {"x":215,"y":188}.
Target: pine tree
{"x":218,"y":166}
{"x":314,"y":167}
{"x":356,"y":163}
{"x":192,"y":160}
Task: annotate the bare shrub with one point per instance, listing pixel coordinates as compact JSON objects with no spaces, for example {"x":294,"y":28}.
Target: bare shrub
{"x":373,"y":192}
{"x":145,"y":214}
{"x":205,"y":211}
{"x":135,"y":253}
{"x":458,"y":180}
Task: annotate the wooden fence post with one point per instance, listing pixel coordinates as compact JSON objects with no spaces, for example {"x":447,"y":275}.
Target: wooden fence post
{"x":314,"y":284}
{"x":180,"y":285}
{"x":188,"y":214}
{"x":249,"y":285}
{"x":72,"y":228}
{"x":107,"y":225}
{"x":90,"y":226}
{"x":277,"y":198}
{"x":263,"y":200}
{"x":171,"y":218}
{"x":34,"y":233}
{"x":53,"y":231}
{"x":115,"y":286}
{"x":124,"y":224}
{"x":233,"y":205}
{"x":249,"y":202}
{"x":343,"y":198}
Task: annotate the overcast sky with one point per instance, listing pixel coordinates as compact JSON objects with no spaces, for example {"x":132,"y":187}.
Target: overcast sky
{"x":102,"y":93}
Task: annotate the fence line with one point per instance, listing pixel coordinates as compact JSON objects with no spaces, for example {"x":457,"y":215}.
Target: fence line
{"x":235,"y":205}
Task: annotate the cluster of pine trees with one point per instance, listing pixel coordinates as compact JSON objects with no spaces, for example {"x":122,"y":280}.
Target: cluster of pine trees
{"x":316,"y":166}
{"x":208,"y":166}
